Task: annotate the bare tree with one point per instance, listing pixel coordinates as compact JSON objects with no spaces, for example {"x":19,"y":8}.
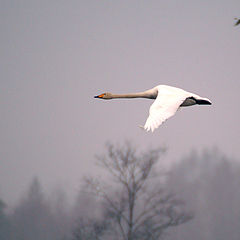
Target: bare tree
{"x":135,"y":202}
{"x":89,"y":229}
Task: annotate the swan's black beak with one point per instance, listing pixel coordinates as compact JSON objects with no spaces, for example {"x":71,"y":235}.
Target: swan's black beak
{"x":99,"y":96}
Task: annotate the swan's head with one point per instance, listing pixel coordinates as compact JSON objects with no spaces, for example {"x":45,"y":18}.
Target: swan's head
{"x":105,"y":96}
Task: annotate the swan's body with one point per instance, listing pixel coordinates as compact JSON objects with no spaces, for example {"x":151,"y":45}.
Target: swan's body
{"x":168,"y":100}
{"x":237,"y":22}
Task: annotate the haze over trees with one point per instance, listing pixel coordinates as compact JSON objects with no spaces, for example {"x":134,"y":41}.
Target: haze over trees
{"x":33,"y":217}
{"x":135,"y":203}
{"x":5,"y":229}
{"x":209,"y":183}
{"x":135,"y":199}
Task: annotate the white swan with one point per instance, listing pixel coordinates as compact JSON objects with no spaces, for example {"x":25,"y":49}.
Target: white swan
{"x":168,"y":100}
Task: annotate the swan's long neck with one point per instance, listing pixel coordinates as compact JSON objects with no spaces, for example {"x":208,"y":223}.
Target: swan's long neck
{"x":147,"y":94}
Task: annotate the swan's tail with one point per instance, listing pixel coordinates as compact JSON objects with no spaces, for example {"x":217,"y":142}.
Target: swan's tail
{"x":200,"y":100}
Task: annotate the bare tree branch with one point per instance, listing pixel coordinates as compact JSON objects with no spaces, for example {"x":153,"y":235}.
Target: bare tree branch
{"x":141,"y":208}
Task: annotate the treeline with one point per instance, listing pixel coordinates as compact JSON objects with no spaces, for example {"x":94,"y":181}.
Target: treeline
{"x":198,"y":198}
{"x":209,"y":183}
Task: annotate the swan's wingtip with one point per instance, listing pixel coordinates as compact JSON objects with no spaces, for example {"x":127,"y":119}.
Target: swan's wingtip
{"x":143,"y":128}
{"x":146,"y":129}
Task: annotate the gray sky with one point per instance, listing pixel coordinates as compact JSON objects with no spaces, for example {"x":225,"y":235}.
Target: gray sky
{"x":56,"y":55}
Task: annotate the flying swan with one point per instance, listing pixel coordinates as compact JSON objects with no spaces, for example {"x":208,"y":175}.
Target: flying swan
{"x":168,"y":100}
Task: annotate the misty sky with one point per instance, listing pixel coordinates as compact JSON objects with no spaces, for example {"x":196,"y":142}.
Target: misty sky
{"x":56,"y":55}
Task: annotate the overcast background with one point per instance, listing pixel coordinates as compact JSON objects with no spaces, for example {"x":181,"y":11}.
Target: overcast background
{"x":56,"y":55}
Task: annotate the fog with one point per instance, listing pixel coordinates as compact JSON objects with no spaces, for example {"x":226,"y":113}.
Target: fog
{"x":55,"y":56}
{"x":207,"y":182}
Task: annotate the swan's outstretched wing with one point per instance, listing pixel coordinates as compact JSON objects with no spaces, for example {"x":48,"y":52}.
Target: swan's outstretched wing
{"x":164,"y":107}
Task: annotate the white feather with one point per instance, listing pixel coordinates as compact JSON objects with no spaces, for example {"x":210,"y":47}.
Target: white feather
{"x":165,"y":106}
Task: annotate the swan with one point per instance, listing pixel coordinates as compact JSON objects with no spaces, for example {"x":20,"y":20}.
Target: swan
{"x":168,"y":100}
{"x":237,"y":22}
